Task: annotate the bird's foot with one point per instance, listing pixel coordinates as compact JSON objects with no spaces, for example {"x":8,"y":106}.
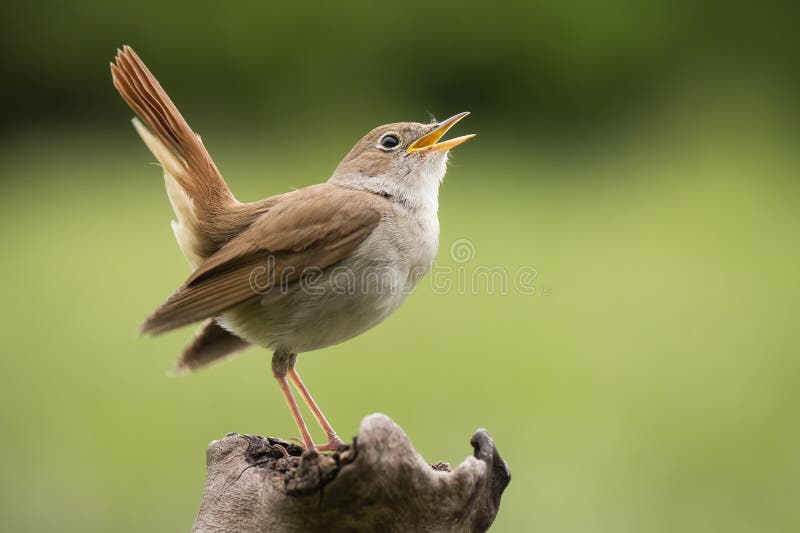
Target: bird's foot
{"x":333,"y":444}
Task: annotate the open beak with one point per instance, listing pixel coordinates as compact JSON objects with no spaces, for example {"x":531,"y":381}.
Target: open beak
{"x":427,"y":143}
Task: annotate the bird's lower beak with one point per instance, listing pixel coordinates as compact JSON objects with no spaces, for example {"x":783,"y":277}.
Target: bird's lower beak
{"x":427,"y":142}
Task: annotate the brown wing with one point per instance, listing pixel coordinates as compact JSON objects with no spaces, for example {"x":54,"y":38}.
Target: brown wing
{"x":313,"y":227}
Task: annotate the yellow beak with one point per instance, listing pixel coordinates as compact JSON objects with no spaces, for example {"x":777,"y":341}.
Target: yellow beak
{"x":428,"y":142}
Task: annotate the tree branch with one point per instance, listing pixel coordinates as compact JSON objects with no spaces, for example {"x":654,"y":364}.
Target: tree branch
{"x":378,"y":483}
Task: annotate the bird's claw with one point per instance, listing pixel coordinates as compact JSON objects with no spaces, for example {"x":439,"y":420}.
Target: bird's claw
{"x":333,"y":444}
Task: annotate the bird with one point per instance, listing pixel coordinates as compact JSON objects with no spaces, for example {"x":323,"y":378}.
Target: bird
{"x":302,"y":270}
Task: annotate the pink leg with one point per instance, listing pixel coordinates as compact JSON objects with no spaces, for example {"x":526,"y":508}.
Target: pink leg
{"x":333,"y":440}
{"x":298,"y":418}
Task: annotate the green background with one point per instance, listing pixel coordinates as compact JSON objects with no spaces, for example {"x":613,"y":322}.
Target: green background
{"x":641,"y":156}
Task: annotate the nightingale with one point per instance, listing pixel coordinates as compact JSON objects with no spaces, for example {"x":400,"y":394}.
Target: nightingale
{"x":301,"y":270}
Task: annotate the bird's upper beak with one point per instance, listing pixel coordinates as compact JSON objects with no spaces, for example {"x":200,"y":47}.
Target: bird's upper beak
{"x":428,"y":142}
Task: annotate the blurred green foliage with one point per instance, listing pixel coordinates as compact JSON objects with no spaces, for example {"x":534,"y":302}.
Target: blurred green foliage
{"x":557,"y":62}
{"x":641,"y":156}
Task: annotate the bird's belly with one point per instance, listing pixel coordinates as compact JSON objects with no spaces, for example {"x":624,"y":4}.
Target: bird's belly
{"x":326,"y":313}
{"x":347,"y":299}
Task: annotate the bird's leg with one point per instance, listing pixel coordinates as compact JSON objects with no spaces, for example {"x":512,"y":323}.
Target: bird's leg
{"x":333,"y":440}
{"x":281,"y":362}
{"x":298,"y":418}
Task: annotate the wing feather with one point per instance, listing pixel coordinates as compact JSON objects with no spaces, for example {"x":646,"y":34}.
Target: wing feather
{"x":317,"y":227}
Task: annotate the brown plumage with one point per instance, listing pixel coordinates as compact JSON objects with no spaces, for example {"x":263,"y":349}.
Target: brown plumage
{"x":375,"y":220}
{"x":313,"y":227}
{"x":213,"y":215}
{"x":211,"y":343}
{"x":199,"y":176}
{"x":285,"y":234}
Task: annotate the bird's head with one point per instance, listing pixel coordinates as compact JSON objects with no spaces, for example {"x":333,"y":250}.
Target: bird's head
{"x":404,"y":160}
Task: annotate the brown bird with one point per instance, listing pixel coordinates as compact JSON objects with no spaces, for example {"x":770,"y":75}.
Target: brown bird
{"x":298,"y":271}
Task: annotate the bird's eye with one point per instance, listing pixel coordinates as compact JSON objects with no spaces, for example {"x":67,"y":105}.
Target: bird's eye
{"x":390,"y":141}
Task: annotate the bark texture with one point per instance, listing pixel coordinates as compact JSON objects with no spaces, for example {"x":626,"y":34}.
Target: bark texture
{"x":377,"y":483}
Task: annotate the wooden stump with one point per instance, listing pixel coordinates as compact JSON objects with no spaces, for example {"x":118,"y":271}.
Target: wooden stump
{"x":377,"y":483}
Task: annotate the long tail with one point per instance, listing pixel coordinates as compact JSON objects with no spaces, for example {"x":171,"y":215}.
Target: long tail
{"x":197,"y":190}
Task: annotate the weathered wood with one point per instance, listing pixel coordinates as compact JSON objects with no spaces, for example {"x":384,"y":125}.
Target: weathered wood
{"x":378,"y":483}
